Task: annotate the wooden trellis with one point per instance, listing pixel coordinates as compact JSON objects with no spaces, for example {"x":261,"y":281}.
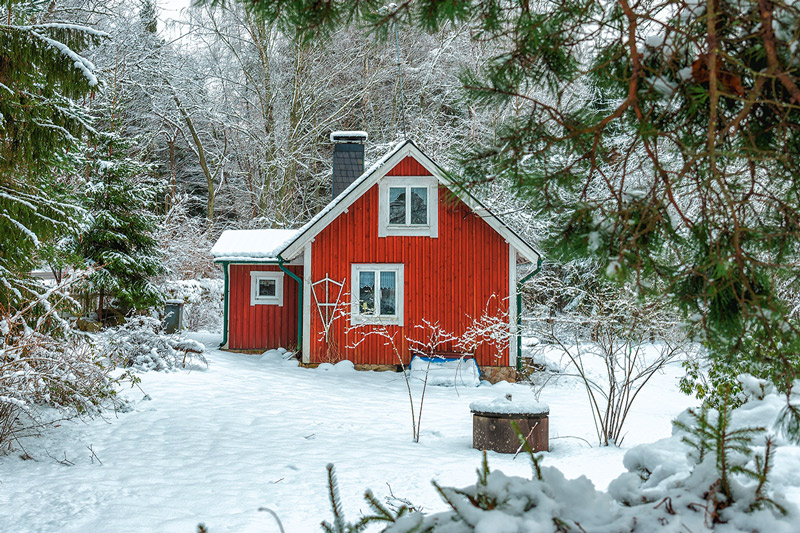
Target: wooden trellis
{"x":325,"y":305}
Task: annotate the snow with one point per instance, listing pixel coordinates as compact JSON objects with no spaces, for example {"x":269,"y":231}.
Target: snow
{"x":251,"y":244}
{"x":654,"y":40}
{"x":78,"y":28}
{"x":445,"y":373}
{"x":336,"y":134}
{"x":508,"y":405}
{"x":79,"y":62}
{"x":31,"y":235}
{"x":613,"y":268}
{"x":336,"y":201}
{"x":250,"y":431}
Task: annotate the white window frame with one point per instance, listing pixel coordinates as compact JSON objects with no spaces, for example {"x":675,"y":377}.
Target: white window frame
{"x":255,"y":277}
{"x":355,"y":316}
{"x":431,"y":229}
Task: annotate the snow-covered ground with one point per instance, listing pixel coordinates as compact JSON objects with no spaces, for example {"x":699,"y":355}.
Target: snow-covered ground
{"x":252,"y":431}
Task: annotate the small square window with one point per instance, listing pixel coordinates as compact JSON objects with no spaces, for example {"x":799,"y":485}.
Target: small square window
{"x":266,"y":288}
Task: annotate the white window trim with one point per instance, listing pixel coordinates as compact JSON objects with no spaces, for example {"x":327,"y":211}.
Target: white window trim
{"x":358,"y":318}
{"x":429,"y":230}
{"x":255,"y":276}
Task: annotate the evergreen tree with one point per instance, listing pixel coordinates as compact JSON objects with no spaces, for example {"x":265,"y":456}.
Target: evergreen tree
{"x":118,"y":241}
{"x":661,"y":138}
{"x":43,"y":82}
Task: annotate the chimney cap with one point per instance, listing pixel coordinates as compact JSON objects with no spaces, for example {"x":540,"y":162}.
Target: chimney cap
{"x":348,"y":137}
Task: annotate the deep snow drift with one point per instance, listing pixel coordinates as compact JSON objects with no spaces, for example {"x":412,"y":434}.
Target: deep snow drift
{"x":254,"y":431}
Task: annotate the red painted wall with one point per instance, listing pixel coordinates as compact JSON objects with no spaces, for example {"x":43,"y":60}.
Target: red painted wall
{"x":256,"y":327}
{"x":450,"y":279}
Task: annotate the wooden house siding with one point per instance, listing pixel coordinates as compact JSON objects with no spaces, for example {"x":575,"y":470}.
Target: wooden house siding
{"x":451,"y":279}
{"x":256,"y":327}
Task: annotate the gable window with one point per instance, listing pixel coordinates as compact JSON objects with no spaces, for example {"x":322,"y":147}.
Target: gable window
{"x":266,"y":288}
{"x":377,"y":294}
{"x":408,"y":206}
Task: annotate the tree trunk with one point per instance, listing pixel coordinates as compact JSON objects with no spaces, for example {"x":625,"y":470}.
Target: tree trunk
{"x":201,"y":154}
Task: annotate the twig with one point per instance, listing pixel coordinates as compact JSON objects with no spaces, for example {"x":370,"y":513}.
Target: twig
{"x":274,"y":515}
{"x":526,"y":437}
{"x":65,"y":462}
{"x":573,"y":437}
{"x":667,"y":503}
{"x":94,"y":455}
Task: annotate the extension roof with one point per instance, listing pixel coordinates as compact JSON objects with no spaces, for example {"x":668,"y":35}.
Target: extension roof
{"x":251,"y":245}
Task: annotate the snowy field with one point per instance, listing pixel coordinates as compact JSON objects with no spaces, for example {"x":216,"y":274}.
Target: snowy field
{"x":214,"y":445}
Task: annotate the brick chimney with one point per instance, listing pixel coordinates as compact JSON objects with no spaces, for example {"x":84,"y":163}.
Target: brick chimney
{"x":348,"y":158}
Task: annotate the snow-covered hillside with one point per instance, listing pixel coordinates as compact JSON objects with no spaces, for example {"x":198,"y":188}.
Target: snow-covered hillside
{"x":252,"y":431}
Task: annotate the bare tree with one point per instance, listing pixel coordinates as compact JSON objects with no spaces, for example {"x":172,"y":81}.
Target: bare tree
{"x":612,"y":342}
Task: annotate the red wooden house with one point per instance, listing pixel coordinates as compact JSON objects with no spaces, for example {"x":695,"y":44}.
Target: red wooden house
{"x":397,"y":247}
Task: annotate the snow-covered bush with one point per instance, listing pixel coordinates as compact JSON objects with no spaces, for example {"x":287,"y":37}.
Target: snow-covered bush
{"x":43,"y":364}
{"x":141,"y":344}
{"x":719,"y":471}
{"x":203,"y":299}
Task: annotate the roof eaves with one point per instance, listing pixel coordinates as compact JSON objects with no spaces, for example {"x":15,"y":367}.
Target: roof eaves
{"x":345,"y":195}
{"x":528,"y":251}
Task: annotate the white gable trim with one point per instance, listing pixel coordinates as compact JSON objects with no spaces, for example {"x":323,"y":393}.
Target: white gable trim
{"x":366,"y":181}
{"x":512,"y":306}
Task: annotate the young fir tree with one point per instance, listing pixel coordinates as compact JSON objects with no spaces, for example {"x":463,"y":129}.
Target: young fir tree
{"x":660,"y":137}
{"x":118,"y":241}
{"x":44,"y":82}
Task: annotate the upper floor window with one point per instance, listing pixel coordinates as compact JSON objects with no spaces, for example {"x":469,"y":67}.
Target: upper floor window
{"x":408,"y":206}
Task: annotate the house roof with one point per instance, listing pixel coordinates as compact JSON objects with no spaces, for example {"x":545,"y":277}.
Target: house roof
{"x":261,"y":245}
{"x":293,"y":244}
{"x":378,"y":170}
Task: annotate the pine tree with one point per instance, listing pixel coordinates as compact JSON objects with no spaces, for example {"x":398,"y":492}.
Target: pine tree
{"x":43,"y":83}
{"x":148,"y":16}
{"x":659,"y":137}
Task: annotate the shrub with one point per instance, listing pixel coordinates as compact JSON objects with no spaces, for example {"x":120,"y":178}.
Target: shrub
{"x":203,"y":299}
{"x":43,"y":364}
{"x":140,"y":344}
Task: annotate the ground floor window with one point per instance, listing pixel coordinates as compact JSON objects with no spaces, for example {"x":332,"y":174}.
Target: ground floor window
{"x":266,"y":288}
{"x":377,"y":293}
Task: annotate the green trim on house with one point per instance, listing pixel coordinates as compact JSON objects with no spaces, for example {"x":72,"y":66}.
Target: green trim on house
{"x":226,"y":290}
{"x":299,"y":281}
{"x":225,"y":306}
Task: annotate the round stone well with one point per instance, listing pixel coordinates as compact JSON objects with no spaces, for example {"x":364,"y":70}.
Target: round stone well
{"x":492,"y":430}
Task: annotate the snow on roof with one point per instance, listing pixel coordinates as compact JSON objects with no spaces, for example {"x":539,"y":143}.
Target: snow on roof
{"x":328,"y":208}
{"x":251,"y":244}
